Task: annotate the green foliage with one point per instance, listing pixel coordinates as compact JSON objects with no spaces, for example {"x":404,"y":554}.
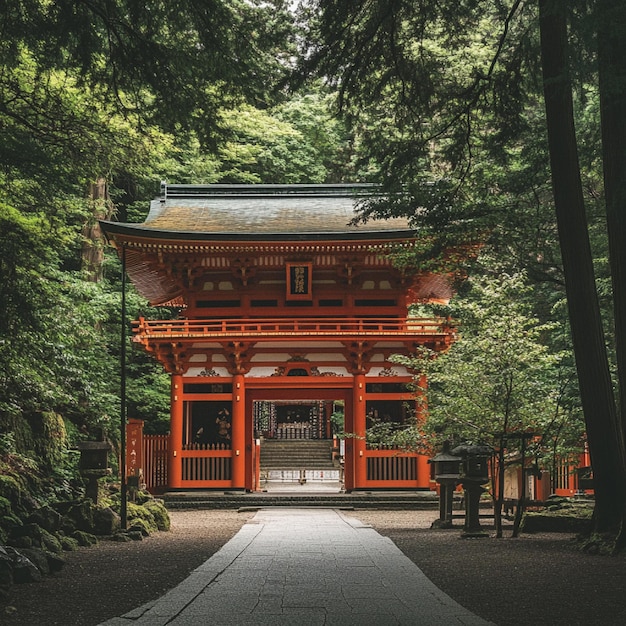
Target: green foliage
{"x":326,"y":136}
{"x":500,"y":376}
{"x":381,"y":435}
{"x":50,"y":439}
{"x":84,"y":539}
{"x":297,"y":141}
{"x":337,"y":419}
{"x":264,"y":150}
{"x":7,"y":443}
{"x":148,"y":395}
{"x":5,"y":506}
{"x":445,"y":103}
{"x":159,"y":513}
{"x":28,"y":478}
{"x":424,"y":80}
{"x":141,"y":514}
{"x":145,"y":512}
{"x":10,"y":488}
{"x":25,"y":250}
{"x":174,"y":65}
{"x":69,"y":544}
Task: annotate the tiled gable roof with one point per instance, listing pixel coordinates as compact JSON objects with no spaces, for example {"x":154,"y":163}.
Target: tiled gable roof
{"x":261,"y":211}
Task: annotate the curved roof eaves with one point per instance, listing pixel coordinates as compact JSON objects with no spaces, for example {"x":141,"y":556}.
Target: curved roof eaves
{"x":130,"y":230}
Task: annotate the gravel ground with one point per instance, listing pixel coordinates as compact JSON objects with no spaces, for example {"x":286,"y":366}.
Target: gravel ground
{"x":534,"y":579}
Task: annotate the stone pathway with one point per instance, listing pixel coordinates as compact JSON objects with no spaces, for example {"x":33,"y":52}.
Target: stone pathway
{"x":304,"y":566}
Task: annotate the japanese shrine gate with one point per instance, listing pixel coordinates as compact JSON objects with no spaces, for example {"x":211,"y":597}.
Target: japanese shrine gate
{"x":285,"y":308}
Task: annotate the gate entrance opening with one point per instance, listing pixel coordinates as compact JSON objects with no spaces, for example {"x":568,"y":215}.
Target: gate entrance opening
{"x":296,"y":445}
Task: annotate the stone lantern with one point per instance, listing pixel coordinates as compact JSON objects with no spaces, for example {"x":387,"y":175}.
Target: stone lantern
{"x":474,"y":474}
{"x":93,"y":464}
{"x":447,"y":473}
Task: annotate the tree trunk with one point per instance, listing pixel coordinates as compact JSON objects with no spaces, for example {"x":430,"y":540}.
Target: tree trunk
{"x":521,"y":500}
{"x":499,"y":502}
{"x":612,"y":82}
{"x":602,"y":424}
{"x":93,"y":243}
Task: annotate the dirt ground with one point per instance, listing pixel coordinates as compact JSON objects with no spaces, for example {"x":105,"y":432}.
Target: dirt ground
{"x":534,"y":579}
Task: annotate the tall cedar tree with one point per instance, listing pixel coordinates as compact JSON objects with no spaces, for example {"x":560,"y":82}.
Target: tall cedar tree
{"x":612,"y":81}
{"x":605,"y":436}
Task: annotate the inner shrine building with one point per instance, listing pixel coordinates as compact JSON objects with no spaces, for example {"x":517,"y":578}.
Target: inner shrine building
{"x":288,"y":312}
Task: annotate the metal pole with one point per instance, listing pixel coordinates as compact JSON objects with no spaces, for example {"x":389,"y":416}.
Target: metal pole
{"x":124,"y":491}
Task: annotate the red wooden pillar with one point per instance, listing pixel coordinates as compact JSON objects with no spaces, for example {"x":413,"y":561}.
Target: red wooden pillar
{"x":239,"y":432}
{"x":359,"y":425}
{"x":423,"y":472}
{"x":423,"y":467}
{"x":175,"y":467}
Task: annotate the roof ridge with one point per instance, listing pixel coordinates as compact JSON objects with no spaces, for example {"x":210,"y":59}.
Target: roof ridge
{"x":219,"y":190}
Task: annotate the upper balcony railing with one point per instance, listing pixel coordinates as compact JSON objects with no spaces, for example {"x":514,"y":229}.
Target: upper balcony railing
{"x":285,"y":328}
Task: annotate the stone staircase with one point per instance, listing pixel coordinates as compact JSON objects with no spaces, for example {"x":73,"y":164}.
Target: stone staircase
{"x":296,"y":454}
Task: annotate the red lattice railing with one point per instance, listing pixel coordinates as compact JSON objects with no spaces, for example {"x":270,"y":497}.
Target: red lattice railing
{"x":285,"y":327}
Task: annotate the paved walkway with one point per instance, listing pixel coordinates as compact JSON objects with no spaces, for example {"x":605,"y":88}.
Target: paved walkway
{"x":300,"y":567}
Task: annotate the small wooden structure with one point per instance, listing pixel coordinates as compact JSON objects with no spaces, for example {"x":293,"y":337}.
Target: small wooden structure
{"x":285,"y":309}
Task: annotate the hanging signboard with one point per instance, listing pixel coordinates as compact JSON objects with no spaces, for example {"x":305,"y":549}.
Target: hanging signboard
{"x":299,"y":279}
{"x":134,"y":447}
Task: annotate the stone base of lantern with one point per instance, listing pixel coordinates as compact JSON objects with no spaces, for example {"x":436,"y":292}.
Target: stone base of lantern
{"x":92,"y":477}
{"x":473,"y":492}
